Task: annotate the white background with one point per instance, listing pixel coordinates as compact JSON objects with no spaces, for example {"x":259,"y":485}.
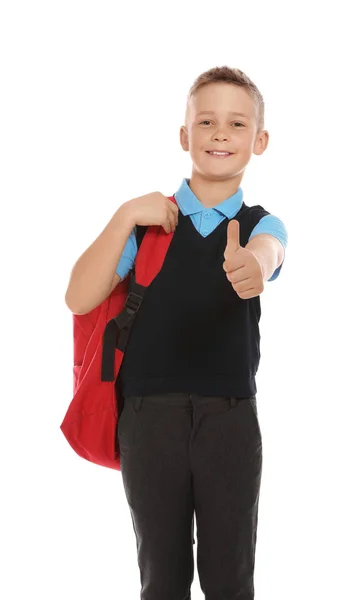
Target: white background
{"x":92,"y":99}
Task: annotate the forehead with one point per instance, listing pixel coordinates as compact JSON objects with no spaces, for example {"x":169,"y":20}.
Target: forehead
{"x":221,"y":99}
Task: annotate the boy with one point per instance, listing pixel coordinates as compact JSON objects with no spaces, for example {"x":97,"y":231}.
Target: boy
{"x":189,"y":435}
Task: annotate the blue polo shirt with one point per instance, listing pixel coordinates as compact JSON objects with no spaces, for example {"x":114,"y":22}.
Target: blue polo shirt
{"x":205,"y":220}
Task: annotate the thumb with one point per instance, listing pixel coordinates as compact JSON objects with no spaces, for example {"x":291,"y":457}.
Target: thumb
{"x":233,"y":235}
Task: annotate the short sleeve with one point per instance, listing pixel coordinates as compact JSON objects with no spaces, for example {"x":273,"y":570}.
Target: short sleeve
{"x":128,"y":255}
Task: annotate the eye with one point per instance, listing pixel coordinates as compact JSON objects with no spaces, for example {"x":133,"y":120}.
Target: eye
{"x":236,"y":123}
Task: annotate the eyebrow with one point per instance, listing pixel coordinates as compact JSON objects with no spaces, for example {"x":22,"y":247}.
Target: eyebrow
{"x":236,"y":114}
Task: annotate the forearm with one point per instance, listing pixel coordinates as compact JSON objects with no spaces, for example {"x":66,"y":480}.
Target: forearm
{"x":269,"y":252}
{"x":92,"y":276}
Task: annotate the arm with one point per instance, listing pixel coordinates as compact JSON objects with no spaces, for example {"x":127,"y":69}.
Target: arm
{"x":269,"y":252}
{"x":275,"y":228}
{"x":92,"y":276}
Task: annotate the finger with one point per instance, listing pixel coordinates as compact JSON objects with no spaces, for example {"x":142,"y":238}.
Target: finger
{"x":174,"y":208}
{"x":173,"y":218}
{"x":168,"y":225}
{"x":233,"y":234}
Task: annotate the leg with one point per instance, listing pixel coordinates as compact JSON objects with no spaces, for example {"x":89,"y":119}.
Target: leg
{"x":154,"y":439}
{"x":226,"y":457}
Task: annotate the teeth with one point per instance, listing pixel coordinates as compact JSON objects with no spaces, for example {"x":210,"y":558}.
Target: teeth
{"x":220,"y":153}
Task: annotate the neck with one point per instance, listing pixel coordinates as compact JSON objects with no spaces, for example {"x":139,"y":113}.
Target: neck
{"x":211,"y":192}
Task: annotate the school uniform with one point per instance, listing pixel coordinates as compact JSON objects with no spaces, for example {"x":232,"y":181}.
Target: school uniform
{"x":189,"y":435}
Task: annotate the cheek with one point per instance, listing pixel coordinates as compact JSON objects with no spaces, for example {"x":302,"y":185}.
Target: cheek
{"x":197,"y":137}
{"x":198,"y":143}
{"x":245,"y":143}
{"x":193,"y":140}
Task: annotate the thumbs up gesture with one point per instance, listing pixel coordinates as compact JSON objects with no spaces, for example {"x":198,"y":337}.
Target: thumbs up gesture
{"x":242,"y":267}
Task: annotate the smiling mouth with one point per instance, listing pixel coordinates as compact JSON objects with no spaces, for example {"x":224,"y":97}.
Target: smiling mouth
{"x":219,"y":154}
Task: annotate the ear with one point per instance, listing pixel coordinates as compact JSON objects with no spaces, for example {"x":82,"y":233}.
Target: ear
{"x":184,"y":138}
{"x":261,"y":142}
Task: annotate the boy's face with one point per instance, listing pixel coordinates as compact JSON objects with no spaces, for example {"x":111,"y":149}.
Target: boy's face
{"x":217,"y":128}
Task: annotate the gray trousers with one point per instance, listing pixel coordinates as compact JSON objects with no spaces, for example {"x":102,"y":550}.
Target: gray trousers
{"x":185,"y":454}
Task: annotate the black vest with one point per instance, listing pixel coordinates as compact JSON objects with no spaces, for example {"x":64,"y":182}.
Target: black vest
{"x":193,"y":333}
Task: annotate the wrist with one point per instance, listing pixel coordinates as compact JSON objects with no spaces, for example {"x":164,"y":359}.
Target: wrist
{"x":127,"y":213}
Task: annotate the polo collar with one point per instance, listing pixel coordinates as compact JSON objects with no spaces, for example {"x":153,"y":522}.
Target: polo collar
{"x":189,"y":203}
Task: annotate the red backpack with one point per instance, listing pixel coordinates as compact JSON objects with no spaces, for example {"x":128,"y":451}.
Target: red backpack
{"x":100,"y":338}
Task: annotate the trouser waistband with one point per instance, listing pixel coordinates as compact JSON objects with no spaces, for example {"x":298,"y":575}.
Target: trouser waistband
{"x":180,"y":399}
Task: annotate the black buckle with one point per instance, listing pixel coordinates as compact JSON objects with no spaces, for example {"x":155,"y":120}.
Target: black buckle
{"x":133,"y":301}
{"x":117,"y":332}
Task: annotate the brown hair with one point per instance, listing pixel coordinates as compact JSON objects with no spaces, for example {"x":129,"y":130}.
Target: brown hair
{"x":233,"y":76}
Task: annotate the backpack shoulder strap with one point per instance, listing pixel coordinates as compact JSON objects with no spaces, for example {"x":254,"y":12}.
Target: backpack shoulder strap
{"x":140,"y":232}
{"x":149,"y":260}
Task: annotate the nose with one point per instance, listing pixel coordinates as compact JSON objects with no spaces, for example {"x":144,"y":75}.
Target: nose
{"x":221,"y":136}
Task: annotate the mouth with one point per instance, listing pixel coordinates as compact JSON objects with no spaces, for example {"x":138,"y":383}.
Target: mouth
{"x":218,"y":154}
